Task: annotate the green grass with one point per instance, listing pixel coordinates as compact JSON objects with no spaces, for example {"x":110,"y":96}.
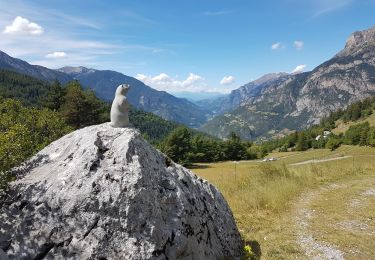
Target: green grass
{"x":261,"y":194}
{"x":341,"y":127}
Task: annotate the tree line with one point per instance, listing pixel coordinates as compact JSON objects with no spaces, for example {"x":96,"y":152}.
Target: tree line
{"x":187,"y":146}
{"x":72,"y":99}
{"x":34,"y":113}
{"x":358,"y":134}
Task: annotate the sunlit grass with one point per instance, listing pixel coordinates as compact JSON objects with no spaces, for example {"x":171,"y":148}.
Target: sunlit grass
{"x":341,"y":127}
{"x":260,"y":193}
{"x":348,"y":223}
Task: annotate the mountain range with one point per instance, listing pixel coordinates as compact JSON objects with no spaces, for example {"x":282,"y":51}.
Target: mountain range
{"x":104,"y":84}
{"x":277,"y":104}
{"x":273,"y":105}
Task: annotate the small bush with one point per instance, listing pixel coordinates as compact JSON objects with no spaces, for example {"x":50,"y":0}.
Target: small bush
{"x":248,"y":253}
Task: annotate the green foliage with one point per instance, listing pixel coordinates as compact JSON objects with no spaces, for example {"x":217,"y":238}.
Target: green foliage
{"x":333,"y":143}
{"x":234,"y":149}
{"x":359,"y":134}
{"x":154,"y":128}
{"x":319,"y":144}
{"x":178,"y":145}
{"x":26,"y":127}
{"x":26,"y":89}
{"x":353,"y":112}
{"x":248,"y":253}
{"x":188,"y":146}
{"x":82,"y":108}
{"x":371,"y":137}
{"x":205,"y":149}
{"x":72,"y":101}
{"x":302,"y":142}
{"x":54,"y":98}
{"x":23,"y":132}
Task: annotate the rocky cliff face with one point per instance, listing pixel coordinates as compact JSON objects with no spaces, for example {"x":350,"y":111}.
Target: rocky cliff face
{"x":105,"y":193}
{"x":243,"y":94}
{"x":301,"y":100}
{"x":344,"y":79}
{"x":358,"y":41}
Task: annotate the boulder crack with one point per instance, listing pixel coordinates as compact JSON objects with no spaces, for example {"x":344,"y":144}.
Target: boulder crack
{"x":99,"y":154}
{"x":93,"y":225}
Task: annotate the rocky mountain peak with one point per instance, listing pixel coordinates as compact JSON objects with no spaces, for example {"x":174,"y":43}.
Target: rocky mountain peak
{"x":296,"y":101}
{"x":358,"y":40}
{"x":75,"y":70}
{"x":105,"y":193}
{"x":269,"y":77}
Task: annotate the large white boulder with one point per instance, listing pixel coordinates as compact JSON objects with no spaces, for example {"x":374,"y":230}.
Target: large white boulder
{"x":105,"y":193}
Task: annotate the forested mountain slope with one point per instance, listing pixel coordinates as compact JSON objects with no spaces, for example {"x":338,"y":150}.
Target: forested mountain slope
{"x":104,"y":84}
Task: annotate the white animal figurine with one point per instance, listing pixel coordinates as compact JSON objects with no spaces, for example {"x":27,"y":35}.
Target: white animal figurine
{"x":120,"y":107}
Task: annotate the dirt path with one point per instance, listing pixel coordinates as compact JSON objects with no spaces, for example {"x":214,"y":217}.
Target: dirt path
{"x":322,"y":160}
{"x":312,"y":247}
{"x":337,"y":221}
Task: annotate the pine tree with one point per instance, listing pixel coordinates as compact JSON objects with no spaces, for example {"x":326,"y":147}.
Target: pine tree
{"x":302,"y":142}
{"x":178,"y":145}
{"x":54,"y":97}
{"x":234,"y":149}
{"x":75,"y":110}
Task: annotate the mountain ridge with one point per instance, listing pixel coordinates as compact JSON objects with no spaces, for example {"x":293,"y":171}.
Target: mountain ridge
{"x":237,"y":96}
{"x":104,"y":83}
{"x":36,"y":71}
{"x":301,"y":100}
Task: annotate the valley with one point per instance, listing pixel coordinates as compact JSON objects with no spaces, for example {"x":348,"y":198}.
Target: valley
{"x":279,"y":103}
{"x":272,"y":106}
{"x":104,"y":83}
{"x":187,"y":130}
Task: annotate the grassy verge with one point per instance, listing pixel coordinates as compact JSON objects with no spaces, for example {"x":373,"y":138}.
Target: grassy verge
{"x":260,"y":194}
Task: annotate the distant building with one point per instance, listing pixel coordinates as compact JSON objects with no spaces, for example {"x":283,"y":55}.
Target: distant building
{"x":325,"y":135}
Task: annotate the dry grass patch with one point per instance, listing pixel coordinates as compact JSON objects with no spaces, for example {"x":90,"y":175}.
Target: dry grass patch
{"x":345,"y":217}
{"x":261,"y":194}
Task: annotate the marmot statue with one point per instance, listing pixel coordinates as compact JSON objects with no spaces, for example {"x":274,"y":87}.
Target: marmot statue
{"x":120,"y":107}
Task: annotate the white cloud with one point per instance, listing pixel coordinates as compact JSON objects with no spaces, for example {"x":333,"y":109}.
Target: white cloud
{"x":56,"y":55}
{"x":82,"y":48}
{"x":227,"y":80}
{"x":277,"y":46}
{"x":299,"y":45}
{"x":299,"y":68}
{"x":193,"y":83}
{"x":23,"y":26}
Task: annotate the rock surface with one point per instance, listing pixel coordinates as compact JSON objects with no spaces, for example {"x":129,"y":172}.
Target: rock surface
{"x":105,"y":193}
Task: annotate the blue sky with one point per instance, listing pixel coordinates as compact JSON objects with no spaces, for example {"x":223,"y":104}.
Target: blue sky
{"x":183,"y":45}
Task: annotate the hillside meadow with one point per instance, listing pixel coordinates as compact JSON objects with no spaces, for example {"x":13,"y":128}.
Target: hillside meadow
{"x":265,"y":198}
{"x":341,"y":126}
